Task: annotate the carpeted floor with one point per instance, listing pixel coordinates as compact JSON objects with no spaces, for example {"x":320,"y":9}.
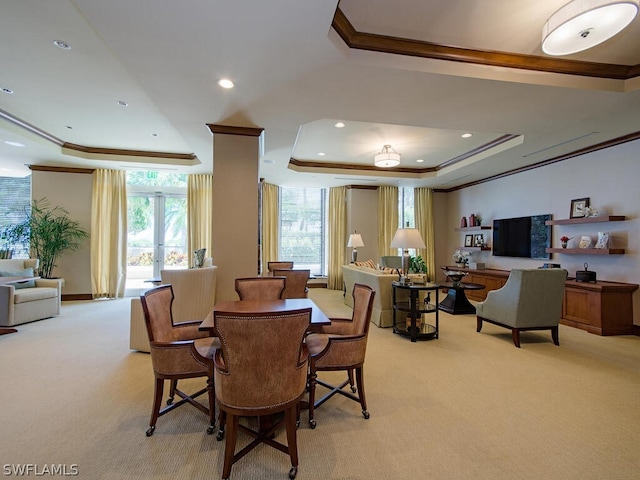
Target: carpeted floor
{"x":465,"y":406}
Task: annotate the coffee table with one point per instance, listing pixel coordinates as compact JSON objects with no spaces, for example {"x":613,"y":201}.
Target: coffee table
{"x":456,"y":302}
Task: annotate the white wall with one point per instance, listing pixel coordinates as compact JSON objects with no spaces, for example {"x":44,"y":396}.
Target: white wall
{"x":362,"y":217}
{"x":72,"y":191}
{"x":608,"y":177}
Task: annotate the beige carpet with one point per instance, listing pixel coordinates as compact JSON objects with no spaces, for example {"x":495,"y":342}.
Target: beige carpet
{"x":466,"y":406}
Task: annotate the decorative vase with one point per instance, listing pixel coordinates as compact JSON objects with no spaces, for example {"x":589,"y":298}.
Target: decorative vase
{"x":460,"y":264}
{"x":463,"y":222}
{"x":564,"y":244}
{"x":472,"y":220}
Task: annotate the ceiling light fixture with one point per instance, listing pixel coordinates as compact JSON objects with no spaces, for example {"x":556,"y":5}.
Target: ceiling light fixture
{"x":6,"y":90}
{"x":226,"y":83}
{"x":321,"y":154}
{"x":14,"y":144}
{"x":387,"y":157}
{"x":339,"y":125}
{"x":62,"y":45}
{"x":467,"y":135}
{"x":582,"y":24}
{"x":122,"y":103}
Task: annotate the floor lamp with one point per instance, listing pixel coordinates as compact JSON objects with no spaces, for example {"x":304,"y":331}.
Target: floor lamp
{"x":407,"y":238}
{"x":355,"y":241}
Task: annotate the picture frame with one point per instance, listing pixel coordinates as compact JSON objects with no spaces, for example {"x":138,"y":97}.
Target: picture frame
{"x":468,"y":240}
{"x":585,"y":242}
{"x":578,"y":207}
{"x":478,"y":240}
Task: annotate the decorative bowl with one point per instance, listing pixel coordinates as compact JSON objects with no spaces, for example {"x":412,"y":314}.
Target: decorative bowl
{"x":455,"y":276}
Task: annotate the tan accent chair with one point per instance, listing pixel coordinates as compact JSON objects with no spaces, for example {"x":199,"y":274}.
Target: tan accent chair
{"x":260,"y":370}
{"x":530,"y":300}
{"x":259,"y":288}
{"x":271,"y":266}
{"x":23,"y":305}
{"x":195,"y":295}
{"x":346,"y":351}
{"x":295,"y":285}
{"x":175,"y":356}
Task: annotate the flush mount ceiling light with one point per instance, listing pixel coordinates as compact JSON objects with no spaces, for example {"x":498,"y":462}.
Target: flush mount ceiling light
{"x":387,"y":157}
{"x":225,"y":83}
{"x":582,"y":24}
{"x":62,"y":45}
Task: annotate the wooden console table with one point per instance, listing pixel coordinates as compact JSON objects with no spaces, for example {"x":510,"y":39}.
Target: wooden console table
{"x":603,"y":308}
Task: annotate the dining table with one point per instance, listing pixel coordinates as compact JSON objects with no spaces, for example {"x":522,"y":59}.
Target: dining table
{"x":8,"y":281}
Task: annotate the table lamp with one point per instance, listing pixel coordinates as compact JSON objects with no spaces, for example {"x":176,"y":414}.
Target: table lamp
{"x":355,"y":241}
{"x":407,"y":238}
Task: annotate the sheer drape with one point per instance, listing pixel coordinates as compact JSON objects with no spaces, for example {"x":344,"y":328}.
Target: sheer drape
{"x":199,"y":214}
{"x":108,"y":233}
{"x":387,"y":219}
{"x":423,"y":205}
{"x":270,"y":224}
{"x":337,"y":236}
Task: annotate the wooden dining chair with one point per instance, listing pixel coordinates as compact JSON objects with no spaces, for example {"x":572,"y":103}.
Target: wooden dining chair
{"x":261,"y":369}
{"x":346,"y":351}
{"x":271,"y":266}
{"x":176,"y":355}
{"x":259,"y":288}
{"x":295,"y":285}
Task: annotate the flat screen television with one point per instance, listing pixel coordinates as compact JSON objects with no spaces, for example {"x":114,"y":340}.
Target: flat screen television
{"x":526,"y":237}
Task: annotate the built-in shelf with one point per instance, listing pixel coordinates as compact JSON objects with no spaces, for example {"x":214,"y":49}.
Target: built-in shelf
{"x":587,"y":251}
{"x":477,"y":227}
{"x":476,"y":249}
{"x":604,"y":218}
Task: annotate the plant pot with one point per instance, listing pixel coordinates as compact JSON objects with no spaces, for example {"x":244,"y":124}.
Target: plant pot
{"x":564,"y":244}
{"x":461,"y":265}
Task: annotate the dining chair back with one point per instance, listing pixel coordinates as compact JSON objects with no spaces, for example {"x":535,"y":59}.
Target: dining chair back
{"x":280,"y":265}
{"x":347,"y":346}
{"x":295,"y":285}
{"x":174,"y":355}
{"x":261,"y":369}
{"x":259,"y":288}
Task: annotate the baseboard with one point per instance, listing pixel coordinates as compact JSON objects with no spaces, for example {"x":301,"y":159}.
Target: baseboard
{"x":636,"y":330}
{"x":76,"y":296}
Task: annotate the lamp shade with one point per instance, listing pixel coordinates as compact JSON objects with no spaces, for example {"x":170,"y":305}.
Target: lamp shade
{"x":355,"y":240}
{"x":407,"y":238}
{"x":582,"y":24}
{"x":387,"y":157}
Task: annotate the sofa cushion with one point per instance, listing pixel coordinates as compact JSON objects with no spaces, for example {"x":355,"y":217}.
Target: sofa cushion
{"x":367,"y":264}
{"x":36,"y":293}
{"x":27,"y":272}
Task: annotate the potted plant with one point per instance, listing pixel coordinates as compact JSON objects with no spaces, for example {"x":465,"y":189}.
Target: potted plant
{"x":461,"y":258}
{"x":419,"y":267}
{"x":50,"y":233}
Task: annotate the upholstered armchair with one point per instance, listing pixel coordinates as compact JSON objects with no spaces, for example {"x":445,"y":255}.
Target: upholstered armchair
{"x":271,"y":266}
{"x":194,"y":290}
{"x":295,"y":284}
{"x":259,"y":288}
{"x":530,"y":300}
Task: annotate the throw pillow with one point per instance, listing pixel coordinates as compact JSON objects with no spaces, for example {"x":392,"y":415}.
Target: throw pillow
{"x":27,"y":272}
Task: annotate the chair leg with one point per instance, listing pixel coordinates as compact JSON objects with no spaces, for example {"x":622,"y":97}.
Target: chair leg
{"x":554,"y":335}
{"x":363,"y":400}
{"x":230,"y":446}
{"x":222,"y":422}
{"x":155,"y":411}
{"x":172,"y":391}
{"x":292,"y":441}
{"x":351,"y":382}
{"x":478,"y":324}
{"x":212,"y":404}
{"x":313,"y":375}
{"x":515,"y":333}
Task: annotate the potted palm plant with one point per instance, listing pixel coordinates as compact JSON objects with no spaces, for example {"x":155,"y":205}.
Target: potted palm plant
{"x":50,"y":234}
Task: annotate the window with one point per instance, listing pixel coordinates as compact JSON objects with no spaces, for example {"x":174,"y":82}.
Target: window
{"x":157,"y":225}
{"x":406,"y":215}
{"x":303,"y":232}
{"x":15,"y":204}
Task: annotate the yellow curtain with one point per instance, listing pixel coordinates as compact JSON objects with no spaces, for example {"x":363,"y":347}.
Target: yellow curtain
{"x":269,"y":225}
{"x":423,"y":205}
{"x":337,"y":236}
{"x":199,"y":214}
{"x":108,"y":233}
{"x":387,"y":219}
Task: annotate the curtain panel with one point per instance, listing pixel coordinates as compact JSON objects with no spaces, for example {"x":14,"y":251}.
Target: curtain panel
{"x":387,"y":219}
{"x":423,"y":205}
{"x":199,"y":214}
{"x":108,"y":233}
{"x":270,"y":224}
{"x":337,"y":236}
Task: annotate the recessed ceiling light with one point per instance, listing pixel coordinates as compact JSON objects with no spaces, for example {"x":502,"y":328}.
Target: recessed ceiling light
{"x":321,"y":154}
{"x":154,"y":134}
{"x":69,"y":127}
{"x":122,"y":103}
{"x":62,"y":45}
{"x":13,"y":144}
{"x":467,"y":135}
{"x":6,"y":90}
{"x":339,"y":125}
{"x":268,"y":160}
{"x":419,"y":160}
{"x":226,"y":83}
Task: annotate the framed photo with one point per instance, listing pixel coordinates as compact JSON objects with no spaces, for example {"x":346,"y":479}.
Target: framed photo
{"x":578,"y":207}
{"x":585,"y":242}
{"x":468,"y":240}
{"x":478,"y":240}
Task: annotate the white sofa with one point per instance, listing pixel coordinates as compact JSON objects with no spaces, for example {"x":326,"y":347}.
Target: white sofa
{"x":382,"y":315}
{"x":194,"y":291}
{"x":23,"y":305}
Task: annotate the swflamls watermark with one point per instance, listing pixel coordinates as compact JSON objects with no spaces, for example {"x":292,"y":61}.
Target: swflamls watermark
{"x":40,"y":470}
